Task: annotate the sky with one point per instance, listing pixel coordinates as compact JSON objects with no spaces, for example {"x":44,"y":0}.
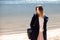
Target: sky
{"x":27,"y":1}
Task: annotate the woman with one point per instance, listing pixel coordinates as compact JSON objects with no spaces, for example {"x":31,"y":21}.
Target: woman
{"x":38,"y":25}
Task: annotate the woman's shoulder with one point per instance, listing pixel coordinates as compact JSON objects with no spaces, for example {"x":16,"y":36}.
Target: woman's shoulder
{"x":46,"y":17}
{"x":35,"y":15}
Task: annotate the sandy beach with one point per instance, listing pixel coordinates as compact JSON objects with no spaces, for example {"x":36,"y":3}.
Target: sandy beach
{"x":51,"y":35}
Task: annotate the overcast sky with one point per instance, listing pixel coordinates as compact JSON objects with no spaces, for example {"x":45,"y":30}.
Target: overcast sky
{"x":27,"y":1}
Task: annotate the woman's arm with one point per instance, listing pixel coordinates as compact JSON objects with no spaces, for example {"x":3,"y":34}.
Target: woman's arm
{"x":32,"y":21}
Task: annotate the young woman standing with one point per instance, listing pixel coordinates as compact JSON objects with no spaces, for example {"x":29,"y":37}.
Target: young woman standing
{"x":38,"y":24}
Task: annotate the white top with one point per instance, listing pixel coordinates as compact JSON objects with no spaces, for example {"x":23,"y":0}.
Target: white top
{"x":41,"y":20}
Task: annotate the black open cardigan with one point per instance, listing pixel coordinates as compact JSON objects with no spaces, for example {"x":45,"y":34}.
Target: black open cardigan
{"x":35,"y":27}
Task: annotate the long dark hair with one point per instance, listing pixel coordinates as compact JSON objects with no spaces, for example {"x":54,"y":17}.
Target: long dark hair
{"x":40,"y":8}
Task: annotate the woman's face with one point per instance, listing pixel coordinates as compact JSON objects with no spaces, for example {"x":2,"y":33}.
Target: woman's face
{"x":37,"y":11}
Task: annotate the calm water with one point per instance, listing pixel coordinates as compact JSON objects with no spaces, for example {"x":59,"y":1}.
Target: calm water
{"x":26,"y":9}
{"x":15,"y":18}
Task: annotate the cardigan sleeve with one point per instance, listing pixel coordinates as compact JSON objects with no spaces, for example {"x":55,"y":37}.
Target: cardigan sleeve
{"x":47,"y":19}
{"x":32,"y":21}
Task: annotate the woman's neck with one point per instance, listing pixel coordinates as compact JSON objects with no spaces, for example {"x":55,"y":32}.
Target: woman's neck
{"x":41,"y":15}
